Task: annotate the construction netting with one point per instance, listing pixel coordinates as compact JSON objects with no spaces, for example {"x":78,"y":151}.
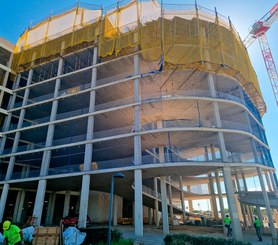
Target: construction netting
{"x":182,"y":36}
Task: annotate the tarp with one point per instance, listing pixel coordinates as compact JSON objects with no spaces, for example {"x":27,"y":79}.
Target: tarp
{"x":28,"y":233}
{"x":72,"y":236}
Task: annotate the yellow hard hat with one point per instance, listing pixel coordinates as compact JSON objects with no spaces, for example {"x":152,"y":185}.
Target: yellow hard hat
{"x":6,"y":225}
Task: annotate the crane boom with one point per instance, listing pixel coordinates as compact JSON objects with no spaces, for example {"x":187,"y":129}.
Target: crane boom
{"x":270,"y":65}
{"x":257,"y":31}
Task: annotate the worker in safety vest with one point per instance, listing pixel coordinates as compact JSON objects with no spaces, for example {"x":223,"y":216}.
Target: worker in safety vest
{"x":257,"y":225}
{"x":227,"y":222}
{"x":12,"y":234}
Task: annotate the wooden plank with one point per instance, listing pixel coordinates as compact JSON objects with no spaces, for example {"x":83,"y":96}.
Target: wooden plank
{"x":47,"y":240}
{"x":46,"y":236}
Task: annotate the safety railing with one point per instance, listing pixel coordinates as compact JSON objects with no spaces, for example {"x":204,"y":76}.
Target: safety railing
{"x":149,"y":97}
{"x":122,"y":163}
{"x":130,"y":129}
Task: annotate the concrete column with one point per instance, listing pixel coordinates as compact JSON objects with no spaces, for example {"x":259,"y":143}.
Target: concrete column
{"x":51,"y":128}
{"x":18,"y":196}
{"x":273,"y":181}
{"x":3,"y":200}
{"x":268,"y":181}
{"x":213,"y":198}
{"x":240,"y":216}
{"x":221,"y":140}
{"x":138,"y":222}
{"x":267,"y":205}
{"x":170,"y":201}
{"x":50,"y":209}
{"x":156,"y":203}
{"x":220,"y":198}
{"x":237,"y":183}
{"x":241,"y":205}
{"x":38,"y":207}
{"x":66,"y":204}
{"x":149,"y":216}
{"x":84,"y":198}
{"x":164,"y":205}
{"x":206,"y":154}
{"x":137,"y":127}
{"x":190,"y":203}
{"x":249,"y":215}
{"x":5,"y":190}
{"x":182,"y":197}
{"x":248,"y":208}
{"x":5,"y":80}
{"x":237,"y":233}
{"x":8,"y":118}
{"x":21,"y":206}
{"x":244,"y":182}
{"x":19,"y":126}
{"x":39,"y":201}
{"x":213,"y":153}
{"x":85,"y":189}
{"x":245,"y":216}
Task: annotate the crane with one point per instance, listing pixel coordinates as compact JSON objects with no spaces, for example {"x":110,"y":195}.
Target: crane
{"x":258,"y":31}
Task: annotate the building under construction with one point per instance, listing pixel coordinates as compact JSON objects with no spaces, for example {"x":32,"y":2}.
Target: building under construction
{"x":164,"y":94}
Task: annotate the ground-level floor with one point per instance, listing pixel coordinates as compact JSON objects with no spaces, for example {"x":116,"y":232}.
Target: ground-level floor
{"x":154,"y":194}
{"x":155,"y":235}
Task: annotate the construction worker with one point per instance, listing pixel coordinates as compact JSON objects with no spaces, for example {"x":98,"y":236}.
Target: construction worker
{"x":12,"y":234}
{"x":257,"y":225}
{"x":227,"y":222}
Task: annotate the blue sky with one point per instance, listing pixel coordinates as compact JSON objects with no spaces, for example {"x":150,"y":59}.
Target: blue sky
{"x":16,"y":15}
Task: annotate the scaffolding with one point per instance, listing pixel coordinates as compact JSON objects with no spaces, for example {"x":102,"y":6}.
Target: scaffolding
{"x":177,"y":35}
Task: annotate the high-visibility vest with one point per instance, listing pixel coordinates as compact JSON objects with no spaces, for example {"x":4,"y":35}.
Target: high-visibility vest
{"x":257,"y":223}
{"x":227,"y":221}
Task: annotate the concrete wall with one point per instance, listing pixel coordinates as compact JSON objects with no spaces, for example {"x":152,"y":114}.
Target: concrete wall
{"x":98,"y":206}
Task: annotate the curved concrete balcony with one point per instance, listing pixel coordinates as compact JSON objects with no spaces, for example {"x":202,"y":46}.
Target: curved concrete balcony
{"x":255,"y":198}
{"x":201,"y":95}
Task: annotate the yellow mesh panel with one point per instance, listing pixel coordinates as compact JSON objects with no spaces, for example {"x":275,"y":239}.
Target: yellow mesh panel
{"x":109,"y":28}
{"x":108,"y":37}
{"x":187,"y":42}
{"x":150,"y":39}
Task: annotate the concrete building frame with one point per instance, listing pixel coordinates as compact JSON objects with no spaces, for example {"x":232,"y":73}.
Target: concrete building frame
{"x":74,"y":121}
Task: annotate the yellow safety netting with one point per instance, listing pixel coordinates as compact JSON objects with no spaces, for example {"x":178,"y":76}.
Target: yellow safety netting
{"x":187,"y":39}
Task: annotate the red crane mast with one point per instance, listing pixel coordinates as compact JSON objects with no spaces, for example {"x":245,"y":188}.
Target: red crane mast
{"x":258,"y":31}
